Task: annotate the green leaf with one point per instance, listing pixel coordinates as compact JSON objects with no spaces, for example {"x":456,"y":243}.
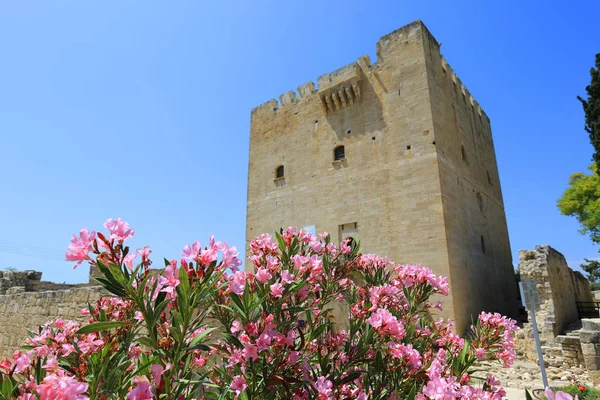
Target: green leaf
{"x":201,"y":336}
{"x":145,"y":341}
{"x":352,"y":376}
{"x":413,"y":393}
{"x":232,"y":339}
{"x":101,"y":326}
{"x":184,"y":282}
{"x":111,"y":287}
{"x":7,"y":387}
{"x":317,"y":332}
{"x":281,"y":242}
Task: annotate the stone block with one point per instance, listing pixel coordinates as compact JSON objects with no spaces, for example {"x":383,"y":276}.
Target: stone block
{"x":588,"y":349}
{"x":287,"y":97}
{"x":590,"y":324}
{"x":307,"y":89}
{"x":592,"y":363}
{"x":589,"y":336}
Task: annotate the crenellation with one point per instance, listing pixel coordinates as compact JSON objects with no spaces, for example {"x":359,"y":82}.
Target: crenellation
{"x":287,"y":98}
{"x":340,"y":76}
{"x":414,"y":29}
{"x":306,"y":90}
{"x":456,"y":80}
{"x":267,"y":108}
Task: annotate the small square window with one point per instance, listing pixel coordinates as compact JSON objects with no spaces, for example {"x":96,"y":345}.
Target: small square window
{"x":279,"y":172}
{"x":339,"y":153}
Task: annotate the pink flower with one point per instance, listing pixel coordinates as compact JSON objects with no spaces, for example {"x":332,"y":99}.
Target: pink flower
{"x":145,"y":252}
{"x":287,"y":277}
{"x":208,"y":255}
{"x":480,"y":353}
{"x":5,"y":366}
{"x":250,"y":352}
{"x":294,"y":357}
{"x":60,"y":386}
{"x":90,"y":343}
{"x":236,"y":326}
{"x":385,"y":323}
{"x":191,"y":253}
{"x":142,"y":390}
{"x":157,"y":371}
{"x":128,"y":261}
{"x":230,"y":258}
{"x":238,"y":282}
{"x":558,"y":396}
{"x":51,"y":365}
{"x":119,"y":229}
{"x":276,"y":289}
{"x":324,"y":388}
{"x":402,"y":351}
{"x":442,"y":388}
{"x":22,"y":363}
{"x":238,"y":384}
{"x":169,"y":282}
{"x":263,"y":275}
{"x":264,"y":341}
{"x":80,"y":246}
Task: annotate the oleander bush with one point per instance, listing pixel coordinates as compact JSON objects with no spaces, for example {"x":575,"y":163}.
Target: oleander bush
{"x":202,"y":328}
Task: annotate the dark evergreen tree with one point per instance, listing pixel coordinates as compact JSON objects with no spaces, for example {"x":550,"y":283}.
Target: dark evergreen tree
{"x":591,"y":107}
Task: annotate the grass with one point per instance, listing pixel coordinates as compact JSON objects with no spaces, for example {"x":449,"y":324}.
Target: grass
{"x":589,"y":393}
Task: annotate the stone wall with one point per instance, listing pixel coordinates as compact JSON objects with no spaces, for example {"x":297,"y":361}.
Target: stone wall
{"x":590,"y":343}
{"x":25,"y":311}
{"x":559,"y":287}
{"x":28,"y":280}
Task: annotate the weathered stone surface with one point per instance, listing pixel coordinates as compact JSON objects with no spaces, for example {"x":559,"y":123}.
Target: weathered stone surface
{"x":590,"y":336}
{"x":590,"y":324}
{"x":419,"y":182}
{"x":27,"y":280}
{"x":559,"y":287}
{"x":26,"y":311}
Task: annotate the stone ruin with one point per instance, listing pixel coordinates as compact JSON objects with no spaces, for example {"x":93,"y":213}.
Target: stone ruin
{"x":27,"y":302}
{"x":567,"y":342}
{"x":17,"y":281}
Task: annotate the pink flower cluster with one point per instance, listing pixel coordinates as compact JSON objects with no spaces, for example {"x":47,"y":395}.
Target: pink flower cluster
{"x":269,"y":329}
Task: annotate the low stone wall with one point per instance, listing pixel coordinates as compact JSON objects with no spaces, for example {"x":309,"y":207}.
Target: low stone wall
{"x":559,"y":287}
{"x":590,"y":343}
{"x":26,"y":311}
{"x":29,"y":280}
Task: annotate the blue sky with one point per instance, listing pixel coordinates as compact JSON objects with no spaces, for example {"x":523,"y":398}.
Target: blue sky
{"x":142,"y":109}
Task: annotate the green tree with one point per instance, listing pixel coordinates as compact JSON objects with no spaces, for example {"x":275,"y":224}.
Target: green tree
{"x":582,"y":198}
{"x":582,"y":201}
{"x":591,"y":108}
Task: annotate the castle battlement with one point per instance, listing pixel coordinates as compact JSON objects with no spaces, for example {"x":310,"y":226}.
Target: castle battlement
{"x":340,"y":88}
{"x":460,"y":86}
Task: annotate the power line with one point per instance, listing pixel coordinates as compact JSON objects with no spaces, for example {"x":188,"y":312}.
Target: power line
{"x":31,"y":251}
{"x":32,"y":247}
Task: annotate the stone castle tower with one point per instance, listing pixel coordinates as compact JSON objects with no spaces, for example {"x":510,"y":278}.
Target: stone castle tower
{"x":396,"y":154}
